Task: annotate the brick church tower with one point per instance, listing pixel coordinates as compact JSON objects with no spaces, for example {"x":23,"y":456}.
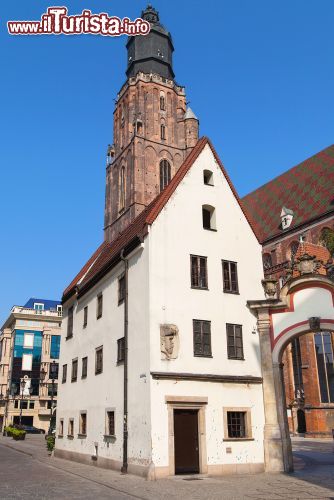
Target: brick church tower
{"x":154,"y":130}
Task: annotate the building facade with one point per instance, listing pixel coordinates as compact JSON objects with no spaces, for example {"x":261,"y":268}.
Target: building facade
{"x":29,"y":343}
{"x":293,"y":214}
{"x":162,"y":312}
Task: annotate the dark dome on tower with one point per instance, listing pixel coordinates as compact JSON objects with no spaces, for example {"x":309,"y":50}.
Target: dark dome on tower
{"x":151,"y":53}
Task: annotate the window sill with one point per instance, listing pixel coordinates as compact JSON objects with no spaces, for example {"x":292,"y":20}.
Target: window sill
{"x":231,"y":293}
{"x":236,"y":359}
{"x":82,"y":436}
{"x":109,"y":436}
{"x":63,"y":381}
{"x":69,"y":337}
{"x":203,"y":356}
{"x":70,"y":436}
{"x":98,"y":317}
{"x":83,"y":377}
{"x":99,"y":372}
{"x":120,"y":302}
{"x":199,"y":288}
{"x":210,"y":229}
{"x":60,"y":436}
{"x":84,"y":326}
{"x":120,"y":362}
{"x":207,"y":184}
{"x":239,"y":439}
{"x":74,"y":380}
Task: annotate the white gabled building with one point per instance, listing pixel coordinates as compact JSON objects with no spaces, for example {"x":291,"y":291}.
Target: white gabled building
{"x":157,"y":336}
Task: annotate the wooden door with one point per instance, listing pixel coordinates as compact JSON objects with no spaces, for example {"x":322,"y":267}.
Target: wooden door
{"x":186,"y":441}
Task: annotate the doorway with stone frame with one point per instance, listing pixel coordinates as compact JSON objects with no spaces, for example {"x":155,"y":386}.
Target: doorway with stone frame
{"x":304,"y":304}
{"x":189,"y":455}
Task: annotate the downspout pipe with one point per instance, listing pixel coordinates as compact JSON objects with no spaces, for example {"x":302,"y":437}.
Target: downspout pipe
{"x":124,"y":468}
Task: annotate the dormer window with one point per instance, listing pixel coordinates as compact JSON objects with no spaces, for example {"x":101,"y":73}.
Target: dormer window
{"x":39,"y":307}
{"x":286,"y":217}
{"x":208,"y":177}
{"x":209,"y":217}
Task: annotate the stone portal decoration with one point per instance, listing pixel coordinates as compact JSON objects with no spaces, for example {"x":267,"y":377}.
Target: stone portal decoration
{"x":270,"y":287}
{"x":307,"y":264}
{"x":169,"y":341}
{"x":314,"y":323}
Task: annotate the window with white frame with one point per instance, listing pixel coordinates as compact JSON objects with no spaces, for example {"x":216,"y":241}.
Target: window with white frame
{"x":28,"y":340}
{"x":26,"y":362}
{"x":39,"y":307}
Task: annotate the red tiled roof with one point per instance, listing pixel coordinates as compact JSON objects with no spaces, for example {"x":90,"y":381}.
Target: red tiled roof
{"x":106,"y":254}
{"x":85,"y":268}
{"x":307,"y":189}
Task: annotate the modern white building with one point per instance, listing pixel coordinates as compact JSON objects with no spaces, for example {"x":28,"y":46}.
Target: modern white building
{"x":160,"y":363}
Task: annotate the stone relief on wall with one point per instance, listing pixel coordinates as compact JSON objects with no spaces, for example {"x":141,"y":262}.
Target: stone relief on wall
{"x":169,"y":341}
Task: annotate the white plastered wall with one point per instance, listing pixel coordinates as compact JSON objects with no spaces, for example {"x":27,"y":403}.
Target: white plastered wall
{"x":312,"y":301}
{"x":177,"y":233}
{"x":104,"y":391}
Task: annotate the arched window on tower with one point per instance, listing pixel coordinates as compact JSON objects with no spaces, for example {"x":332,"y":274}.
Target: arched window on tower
{"x":162,"y":103}
{"x":122,"y":189}
{"x":165,"y":174}
{"x":162,"y":131}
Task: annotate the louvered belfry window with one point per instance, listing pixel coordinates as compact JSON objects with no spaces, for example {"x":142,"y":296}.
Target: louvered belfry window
{"x":199,"y":276}
{"x":202,"y":337}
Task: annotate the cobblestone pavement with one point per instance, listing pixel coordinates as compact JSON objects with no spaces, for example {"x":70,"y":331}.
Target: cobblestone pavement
{"x":27,"y":472}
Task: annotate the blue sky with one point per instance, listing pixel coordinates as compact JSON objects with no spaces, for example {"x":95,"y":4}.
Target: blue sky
{"x":259,"y":75}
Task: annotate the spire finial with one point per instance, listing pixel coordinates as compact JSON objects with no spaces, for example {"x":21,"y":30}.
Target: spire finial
{"x":150,"y":14}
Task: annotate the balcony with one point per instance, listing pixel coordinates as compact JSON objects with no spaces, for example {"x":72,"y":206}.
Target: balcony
{"x":37,"y":312}
{"x":44,"y":412}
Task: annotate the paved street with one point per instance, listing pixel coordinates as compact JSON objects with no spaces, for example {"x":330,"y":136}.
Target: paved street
{"x":27,"y":472}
